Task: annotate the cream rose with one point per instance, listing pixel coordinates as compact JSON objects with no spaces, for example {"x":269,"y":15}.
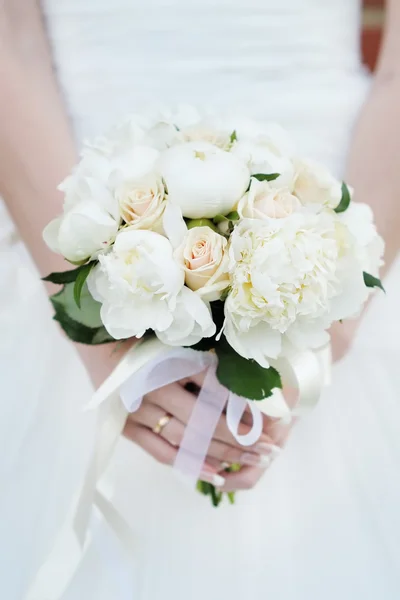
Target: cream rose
{"x":142,"y":202}
{"x":263,"y":200}
{"x":203,"y":255}
{"x":314,"y":184}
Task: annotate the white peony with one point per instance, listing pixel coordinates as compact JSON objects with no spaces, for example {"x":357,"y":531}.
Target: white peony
{"x":290,"y":279}
{"x":314,"y":184}
{"x":141,"y":287}
{"x":264,"y":200}
{"x":203,"y":180}
{"x":191,"y":321}
{"x":204,"y":258}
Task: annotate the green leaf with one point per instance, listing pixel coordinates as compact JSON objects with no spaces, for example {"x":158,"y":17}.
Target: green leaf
{"x":64,"y":276}
{"x":201,"y":223}
{"x":233,"y":137}
{"x":216,"y":497}
{"x":232,"y":216}
{"x":345,"y":200}
{"x":225,"y":293}
{"x":84,"y":324}
{"x":231,"y":497}
{"x":78,"y":332}
{"x":89,"y":312}
{"x":77,"y":263}
{"x":220,"y":219}
{"x":371,"y":281}
{"x":244,"y":377}
{"x":79,"y":282}
{"x":266,"y":176}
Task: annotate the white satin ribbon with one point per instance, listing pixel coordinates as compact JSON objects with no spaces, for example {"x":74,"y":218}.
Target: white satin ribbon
{"x":151,"y":365}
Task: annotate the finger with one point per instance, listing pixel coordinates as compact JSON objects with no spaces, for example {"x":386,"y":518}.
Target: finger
{"x":152,"y":443}
{"x":280,"y":431}
{"x":245,"y":479}
{"x":173,"y":399}
{"x":162,"y":451}
{"x":222,"y":432}
{"x":197,"y":379}
{"x":179,"y":402}
{"x":150,"y":415}
{"x":174,"y":430}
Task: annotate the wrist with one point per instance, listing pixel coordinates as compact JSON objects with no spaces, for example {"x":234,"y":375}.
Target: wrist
{"x":101,"y":360}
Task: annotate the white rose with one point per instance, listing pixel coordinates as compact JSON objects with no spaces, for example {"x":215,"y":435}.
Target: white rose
{"x":314,"y":184}
{"x":202,"y":179}
{"x":142,"y":201}
{"x":290,"y":278}
{"x":141,"y":287}
{"x":91,"y":217}
{"x":191,"y":321}
{"x":264,"y":200}
{"x":204,"y":259}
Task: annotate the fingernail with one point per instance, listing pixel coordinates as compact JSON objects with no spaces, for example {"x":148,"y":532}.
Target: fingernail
{"x":208,"y":468}
{"x":267,"y":449}
{"x":213,"y":478}
{"x":255,"y":460}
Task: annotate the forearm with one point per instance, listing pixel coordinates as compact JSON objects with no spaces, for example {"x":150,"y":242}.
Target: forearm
{"x":36,"y":145}
{"x":37,"y":149}
{"x":374,"y":161}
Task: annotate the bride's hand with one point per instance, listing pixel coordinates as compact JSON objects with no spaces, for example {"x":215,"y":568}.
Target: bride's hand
{"x":176,"y":402}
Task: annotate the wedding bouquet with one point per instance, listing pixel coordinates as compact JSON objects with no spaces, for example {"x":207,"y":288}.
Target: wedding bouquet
{"x":211,"y":234}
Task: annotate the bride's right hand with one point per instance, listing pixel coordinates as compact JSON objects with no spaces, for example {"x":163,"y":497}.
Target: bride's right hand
{"x":170,"y":407}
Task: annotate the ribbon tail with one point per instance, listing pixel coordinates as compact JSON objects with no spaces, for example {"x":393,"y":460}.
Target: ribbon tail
{"x":234,"y":413}
{"x":201,"y":426}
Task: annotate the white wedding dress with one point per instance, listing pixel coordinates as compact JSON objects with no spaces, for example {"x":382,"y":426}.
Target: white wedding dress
{"x":324,"y":522}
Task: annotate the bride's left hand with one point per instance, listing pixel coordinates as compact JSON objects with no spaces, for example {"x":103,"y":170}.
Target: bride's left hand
{"x":177,"y":401}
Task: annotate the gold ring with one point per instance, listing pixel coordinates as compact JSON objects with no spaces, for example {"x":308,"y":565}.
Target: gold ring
{"x":165,"y":419}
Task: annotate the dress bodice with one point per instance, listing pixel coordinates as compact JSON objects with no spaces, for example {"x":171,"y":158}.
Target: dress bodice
{"x":294,"y":61}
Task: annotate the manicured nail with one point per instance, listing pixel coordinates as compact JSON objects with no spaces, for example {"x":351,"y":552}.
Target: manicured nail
{"x":208,"y":468}
{"x":213,"y":478}
{"x":267,"y":449}
{"x":255,"y":460}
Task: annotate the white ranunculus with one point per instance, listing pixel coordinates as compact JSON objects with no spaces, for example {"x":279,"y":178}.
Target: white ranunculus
{"x":290,"y":278}
{"x":191,"y":321}
{"x":264,"y":200}
{"x":142,"y":201}
{"x":203,"y":180}
{"x":314,"y":184}
{"x":203,"y":255}
{"x":141,"y":287}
